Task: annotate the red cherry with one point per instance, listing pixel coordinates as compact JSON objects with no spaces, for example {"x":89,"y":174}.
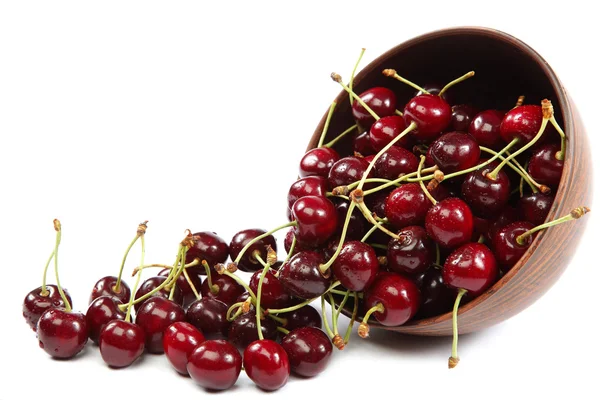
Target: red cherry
{"x":248,"y":262}
{"x":506,"y":248}
{"x":62,"y":334}
{"x":506,"y":216}
{"x":431,"y":113}
{"x":412,"y":253}
{"x":379,"y":99}
{"x":154,"y":317}
{"x":399,"y":296}
{"x":544,"y":167}
{"x":35,"y":304}
{"x":228,"y":291}
{"x":267,"y":364}
{"x":385,"y":130}
{"x":103,"y":310}
{"x":462,"y":115}
{"x":455,"y":151}
{"x":521,"y":123}
{"x":535,"y":207}
{"x":396,"y":161}
{"x":318,"y":161}
{"x":317,"y":220}
{"x":305,"y":316}
{"x":215,"y":365}
{"x":450,"y":222}
{"x":274,"y":294}
{"x":179,"y":340}
{"x":436,"y":297}
{"x":152,"y":283}
{"x":356,"y":227}
{"x":356,"y":266}
{"x":301,"y":276}
{"x":362,"y":144}
{"x":485,"y":128}
{"x":308,"y":349}
{"x":485,"y":196}
{"x":471,"y":267}
{"x":121,"y":343}
{"x":287,"y":243}
{"x":243,"y":329}
{"x":346,"y":171}
{"x":207,"y":246}
{"x":407,"y":205}
{"x":209,"y":316}
{"x":309,"y":186}
{"x":106,"y":287}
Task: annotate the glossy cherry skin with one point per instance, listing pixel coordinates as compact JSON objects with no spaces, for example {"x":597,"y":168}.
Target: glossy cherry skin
{"x":455,"y":151}
{"x":385,"y":130}
{"x":308,"y":186}
{"x":318,"y":161}
{"x":535,"y":207}
{"x":462,"y":116}
{"x":274,"y":294}
{"x":287,"y":243}
{"x":121,"y":343}
{"x":485,"y":128}
{"x":228,"y":292}
{"x":485,"y":196}
{"x":399,"y":296}
{"x":436,"y":297}
{"x":317,"y":220}
{"x":305,"y":316}
{"x":380,"y":99}
{"x":521,"y":123}
{"x":62,"y":334}
{"x":346,"y":171}
{"x":431,"y":113}
{"x":215,"y":365}
{"x":152,"y":283}
{"x":35,"y":304}
{"x":179,"y":340}
{"x":301,"y":276}
{"x":308,"y":349}
{"x":471,"y":267}
{"x":362,"y":144}
{"x":356,"y":266}
{"x":103,"y":310}
{"x":357,"y":225}
{"x":544,"y":167}
{"x":209,"y":316}
{"x":249,"y":263}
{"x":506,"y":216}
{"x":106,"y":287}
{"x":195,"y":276}
{"x":243,"y":329}
{"x":154,"y":317}
{"x":396,"y":161}
{"x":435,"y":88}
{"x":207,"y":246}
{"x":412,"y":253}
{"x":407,"y":205}
{"x":267,"y":364}
{"x":506,"y":248}
{"x":450,"y":222}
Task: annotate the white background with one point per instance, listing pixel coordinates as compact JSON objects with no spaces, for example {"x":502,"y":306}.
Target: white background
{"x":195,"y":115}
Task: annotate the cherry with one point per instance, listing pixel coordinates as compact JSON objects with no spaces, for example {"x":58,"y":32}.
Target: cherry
{"x":521,"y":123}
{"x":308,"y":186}
{"x":207,"y":246}
{"x":152,"y":283}
{"x":215,"y":365}
{"x":121,"y":343}
{"x":248,"y":262}
{"x":308,"y":349}
{"x":62,"y":333}
{"x":506,"y":248}
{"x":318,"y":161}
{"x":412,"y":252}
{"x":209,"y":316}
{"x":155,"y":315}
{"x":287,"y":242}
{"x":380,"y":99}
{"x":471,"y":267}
{"x":195,"y":275}
{"x":301,"y":275}
{"x":274,"y":294}
{"x":398,"y":295}
{"x":544,"y":167}
{"x":462,"y":115}
{"x":385,"y":130}
{"x":506,"y":216}
{"x":395,"y":162}
{"x":346,"y":171}
{"x":305,"y":316}
{"x":485,"y":128}
{"x":267,"y":364}
{"x":356,"y":266}
{"x":436,"y":297}
{"x":35,"y":304}
{"x":486,"y":196}
{"x":106,"y":287}
{"x":362,"y":144}
{"x":103,"y":310}
{"x":243,"y":329}
{"x":455,"y":151}
{"x":356,"y":226}
{"x":228,"y":289}
{"x":179,"y":340}
{"x":450,"y":222}
{"x":376,"y":203}
{"x":435,"y":88}
{"x":535,"y":207}
{"x":316,"y":219}
{"x":407,"y":205}
{"x":430,"y":113}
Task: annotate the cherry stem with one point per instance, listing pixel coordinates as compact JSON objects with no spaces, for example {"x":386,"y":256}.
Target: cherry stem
{"x":292,"y":248}
{"x":376,"y":226}
{"x":429,"y":196}
{"x":58,"y":229}
{"x":351,"y":83}
{"x":137,"y":282}
{"x":398,"y":112}
{"x":164,"y":266}
{"x":338,"y":79}
{"x":325,"y":320}
{"x":521,"y":183}
{"x":239,"y":311}
{"x":260,"y":237}
{"x":369,"y":216}
{"x":343,"y":292}
{"x":518,"y":170}
{"x":299,"y":306}
{"x":326,"y":127}
{"x":403,"y":178}
{"x":454,"y":359}
{"x":393,"y":74}
{"x":563,"y":139}
{"x":520,"y":101}
{"x":525,"y":175}
{"x":352,"y":318}
{"x":258,"y":296}
{"x":180,"y":261}
{"x":363,"y":329}
{"x":378,"y":246}
{"x":45,"y":292}
{"x":324,"y":267}
{"x":283,"y":330}
{"x":457,"y":80}
{"x":574,"y":214}
{"x":214,"y":289}
{"x":340,"y":136}
{"x":336,"y":313}
{"x":190,"y":283}
{"x":140,"y":232}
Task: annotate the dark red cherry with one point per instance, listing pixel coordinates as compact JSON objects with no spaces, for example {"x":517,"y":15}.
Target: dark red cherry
{"x":431,"y":113}
{"x":436,"y":297}
{"x":318,"y":161}
{"x":471,"y":267}
{"x":481,"y":227}
{"x":544,"y":167}
{"x":103,"y":310}
{"x":207,"y":246}
{"x":396,"y":161}
{"x":346,"y":171}
{"x":356,"y":266}
{"x":435,"y":88}
{"x":308,"y":349}
{"x":385,"y":130}
{"x":228,"y":292}
{"x":506,"y":248}
{"x":152,"y":283}
{"x":412,"y":252}
{"x":243,"y":329}
{"x":301,"y":276}
{"x":287,"y":243}
{"x":462,"y":115}
{"x":485,"y":128}
{"x":506,"y":216}
{"x":407,"y":205}
{"x":62,"y":334}
{"x":535,"y":207}
{"x":179,"y":340}
{"x":305,"y":316}
{"x":362,"y":144}
{"x":380,"y":99}
{"x":209,"y":316}
{"x":107,"y":287}
{"x":455,"y":151}
{"x":399,"y":296}
{"x":274,"y":294}
{"x":154,"y":317}
{"x":309,"y":186}
{"x":35,"y":304}
{"x":521,"y":123}
{"x":267,"y":364}
{"x":195,"y":276}
{"x":485,"y":196}
{"x":317,"y":220}
{"x":357,"y":225}
{"x":249,"y":263}
{"x":215,"y":365}
{"x":121,"y":343}
{"x":450,"y":222}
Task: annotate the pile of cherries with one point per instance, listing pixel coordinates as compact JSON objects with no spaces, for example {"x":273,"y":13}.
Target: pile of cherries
{"x":437,"y":202}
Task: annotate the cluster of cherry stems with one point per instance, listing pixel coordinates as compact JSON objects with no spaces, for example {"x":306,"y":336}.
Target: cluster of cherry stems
{"x":381,"y":234}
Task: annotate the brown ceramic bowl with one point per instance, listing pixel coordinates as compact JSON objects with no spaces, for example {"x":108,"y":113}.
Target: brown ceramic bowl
{"x":505,"y":68}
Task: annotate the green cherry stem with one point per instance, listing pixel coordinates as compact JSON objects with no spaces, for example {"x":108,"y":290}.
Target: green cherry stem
{"x":398,"y":112}
{"x":423,"y":188}
{"x":563,"y":139}
{"x":369,"y":216}
{"x":299,"y":306}
{"x":343,"y":293}
{"x":213,"y":288}
{"x":264,"y":235}
{"x":351,"y":83}
{"x":324,"y":267}
{"x":454,"y":359}
{"x":326,"y":126}
{"x":525,"y":176}
{"x":574,"y":214}
{"x":44,"y":291}
{"x":371,"y":231}
{"x":340,"y":136}
{"x":140,"y":232}
{"x":137,"y":281}
{"x":239,"y":310}
{"x":58,"y":229}
{"x":258,"y":296}
{"x":399,"y":180}
{"x":325,"y":320}
{"x":292,"y":248}
{"x":363,"y":328}
{"x":340,"y":307}
{"x":189,"y":281}
{"x":352,"y":318}
{"x":283,"y":330}
{"x":337,"y":78}
{"x":180,"y":261}
{"x":457,"y":80}
{"x":391,"y":73}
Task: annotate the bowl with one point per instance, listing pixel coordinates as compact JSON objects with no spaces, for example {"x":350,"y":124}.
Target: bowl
{"x":505,"y":68}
